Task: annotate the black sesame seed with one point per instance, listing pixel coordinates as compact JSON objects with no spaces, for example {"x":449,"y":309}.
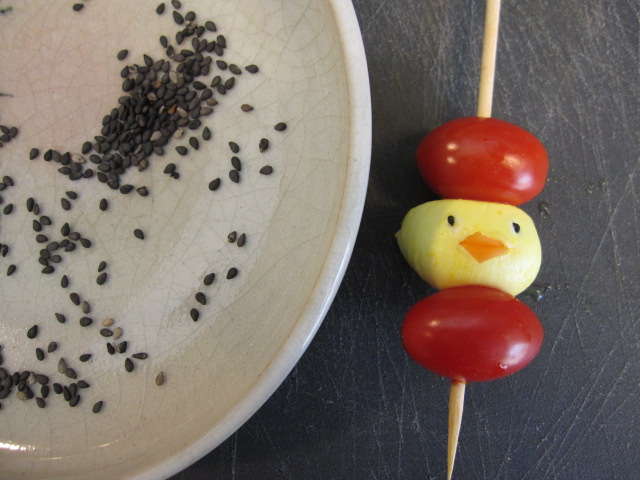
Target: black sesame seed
{"x":106,"y":332}
{"x":98,"y":405}
{"x":138,"y":234}
{"x":160,"y":9}
{"x":182,"y":150}
{"x":64,"y":281}
{"x":242,"y":239}
{"x":179,"y":19}
{"x":41,"y":402}
{"x":11,"y":270}
{"x":232,"y":237}
{"x":73,"y":401}
{"x":128,"y":365}
{"x":206,"y":133}
{"x":252,"y":68}
{"x":85,"y":321}
{"x":236,"y":163}
{"x":124,"y":189}
{"x":195,"y":314}
{"x":32,"y":332}
{"x":246,"y":107}
{"x":44,"y":391}
{"x":234,"y":147}
{"x":39,"y":354}
{"x":201,"y":298}
{"x":263,"y":145}
{"x":83,"y":384}
{"x":48,"y":270}
{"x":33,"y":154}
{"x":214,"y":184}
{"x":210,"y":26}
{"x":85,"y":307}
{"x":75,"y":298}
{"x":52,"y":347}
{"x":193,"y":141}
{"x":222,"y":65}
{"x":84,"y":357}
{"x":57,"y":388}
{"x":142,"y":191}
{"x":234,"y":176}
{"x":110,"y":349}
{"x":160,"y":379}
{"x":209,"y":278}
{"x":66,"y":205}
{"x":60,"y":317}
{"x":279,"y":127}
{"x":62,"y":365}
{"x":8,"y":209}
{"x":122,"y":347}
{"x":102,"y":278}
{"x":102,"y":266}
{"x":77,"y":7}
{"x":231,"y":273}
{"x":104,"y":204}
{"x":170,"y":168}
{"x":85,"y":242}
{"x":30,"y":204}
{"x":266,"y":170}
{"x":233,"y":68}
{"x":140,"y":356}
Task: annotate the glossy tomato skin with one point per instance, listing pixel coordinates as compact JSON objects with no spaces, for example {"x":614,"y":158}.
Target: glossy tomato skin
{"x":483,"y":159}
{"x":472,"y":333}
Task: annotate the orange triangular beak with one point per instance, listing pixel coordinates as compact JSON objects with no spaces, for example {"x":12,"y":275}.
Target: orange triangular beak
{"x":483,"y":248}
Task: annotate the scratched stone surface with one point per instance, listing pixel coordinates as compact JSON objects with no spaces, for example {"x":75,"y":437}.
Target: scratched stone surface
{"x":356,"y":407}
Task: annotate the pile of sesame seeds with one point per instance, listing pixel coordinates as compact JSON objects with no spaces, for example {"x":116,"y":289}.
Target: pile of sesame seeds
{"x":164,"y":105}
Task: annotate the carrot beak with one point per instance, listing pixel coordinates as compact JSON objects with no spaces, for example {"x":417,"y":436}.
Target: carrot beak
{"x":483,"y":248}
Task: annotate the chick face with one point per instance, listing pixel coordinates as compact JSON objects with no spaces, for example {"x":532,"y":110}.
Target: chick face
{"x":467,"y":242}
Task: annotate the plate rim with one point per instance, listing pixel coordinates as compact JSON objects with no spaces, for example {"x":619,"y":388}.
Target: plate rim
{"x":329,"y":279}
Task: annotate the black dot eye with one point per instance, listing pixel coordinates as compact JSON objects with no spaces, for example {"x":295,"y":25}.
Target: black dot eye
{"x":516,"y":227}
{"x":451,"y":220}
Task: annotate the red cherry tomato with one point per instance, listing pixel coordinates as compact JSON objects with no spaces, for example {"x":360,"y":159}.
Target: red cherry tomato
{"x":483,"y":159}
{"x":472,"y":333}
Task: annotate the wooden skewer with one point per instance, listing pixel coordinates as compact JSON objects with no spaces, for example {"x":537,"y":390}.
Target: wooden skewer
{"x":485,"y":100}
{"x":488,"y":65}
{"x":456,"y":404}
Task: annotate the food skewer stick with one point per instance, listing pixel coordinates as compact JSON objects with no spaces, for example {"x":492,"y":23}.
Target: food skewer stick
{"x":456,"y":404}
{"x":485,"y":98}
{"x":488,"y":66}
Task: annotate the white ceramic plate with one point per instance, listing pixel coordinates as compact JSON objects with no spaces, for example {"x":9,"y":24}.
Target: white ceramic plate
{"x":60,"y":69}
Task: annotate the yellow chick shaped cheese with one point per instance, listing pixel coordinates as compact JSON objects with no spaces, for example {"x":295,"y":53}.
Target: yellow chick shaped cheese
{"x":468,"y":242}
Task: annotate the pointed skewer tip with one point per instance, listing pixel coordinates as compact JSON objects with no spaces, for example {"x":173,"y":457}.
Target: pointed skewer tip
{"x":456,"y":405}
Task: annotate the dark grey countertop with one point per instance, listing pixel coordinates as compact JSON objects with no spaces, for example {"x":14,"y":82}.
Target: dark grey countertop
{"x":356,"y":407}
